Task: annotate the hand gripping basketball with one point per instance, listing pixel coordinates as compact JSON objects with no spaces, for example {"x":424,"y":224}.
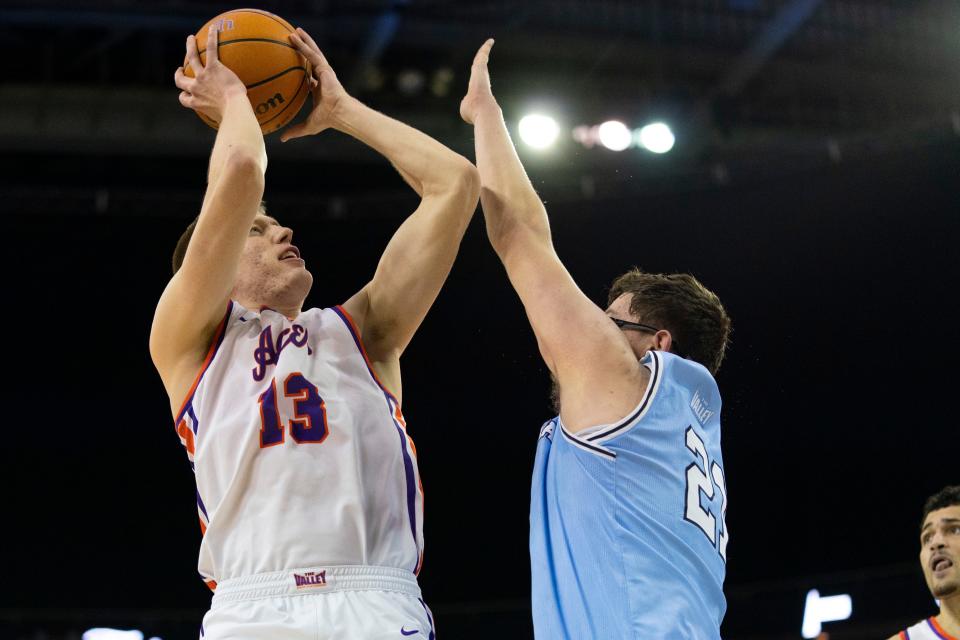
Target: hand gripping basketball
{"x":326,"y":91}
{"x":213,"y":83}
{"x":255,"y":45}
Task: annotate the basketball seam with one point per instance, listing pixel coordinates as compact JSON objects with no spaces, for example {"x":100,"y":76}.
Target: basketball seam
{"x":274,"y":77}
{"x":267,"y":14}
{"x":226,"y":42}
{"x":289,"y":104}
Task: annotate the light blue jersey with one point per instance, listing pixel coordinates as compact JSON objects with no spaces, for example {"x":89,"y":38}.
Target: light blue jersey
{"x":627,"y":531}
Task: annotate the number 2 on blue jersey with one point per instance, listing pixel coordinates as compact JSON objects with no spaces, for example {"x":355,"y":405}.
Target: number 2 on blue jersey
{"x":698,"y":481}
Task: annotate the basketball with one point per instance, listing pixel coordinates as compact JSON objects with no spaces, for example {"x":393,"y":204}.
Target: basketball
{"x":255,"y":45}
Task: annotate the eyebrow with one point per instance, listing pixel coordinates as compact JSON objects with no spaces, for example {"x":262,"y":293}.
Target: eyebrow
{"x":946,"y":520}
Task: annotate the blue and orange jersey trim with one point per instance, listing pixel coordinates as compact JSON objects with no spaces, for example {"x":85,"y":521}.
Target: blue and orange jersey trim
{"x":938,"y":630}
{"x":393,"y":406}
{"x":218,"y":336}
{"x":355,"y":334}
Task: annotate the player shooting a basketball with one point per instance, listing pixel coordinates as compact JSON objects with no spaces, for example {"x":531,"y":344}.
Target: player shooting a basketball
{"x":627,"y":532}
{"x":307,"y":483}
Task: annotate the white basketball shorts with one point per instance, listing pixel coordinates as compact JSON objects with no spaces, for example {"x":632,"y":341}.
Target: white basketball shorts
{"x":320,"y":603}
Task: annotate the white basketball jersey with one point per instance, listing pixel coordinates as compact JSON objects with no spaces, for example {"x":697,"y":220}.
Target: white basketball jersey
{"x":927,"y":629}
{"x":301,"y":456}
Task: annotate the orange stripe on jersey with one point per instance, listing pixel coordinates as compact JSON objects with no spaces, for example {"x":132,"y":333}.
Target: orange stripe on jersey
{"x":902,"y":635}
{"x":398,"y":415}
{"x":206,"y":361}
{"x":186,"y":434}
{"x":363,"y":351}
{"x":203,"y":526}
{"x":936,"y":625}
{"x":212,"y":584}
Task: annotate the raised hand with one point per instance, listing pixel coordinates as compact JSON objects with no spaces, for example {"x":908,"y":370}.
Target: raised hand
{"x":212,"y":84}
{"x":326,"y":91}
{"x":479,"y":93}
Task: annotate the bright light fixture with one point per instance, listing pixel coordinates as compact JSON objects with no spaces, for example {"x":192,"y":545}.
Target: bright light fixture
{"x":539,"y":131}
{"x":614,"y":135}
{"x":101,"y":633}
{"x":656,"y":137}
{"x":827,"y":609}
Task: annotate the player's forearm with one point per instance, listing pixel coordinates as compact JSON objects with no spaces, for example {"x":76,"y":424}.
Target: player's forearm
{"x":238,"y":135}
{"x":509,"y":200}
{"x":428,"y":166}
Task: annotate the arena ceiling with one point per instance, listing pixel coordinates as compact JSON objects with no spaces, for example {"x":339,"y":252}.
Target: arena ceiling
{"x":736,"y":76}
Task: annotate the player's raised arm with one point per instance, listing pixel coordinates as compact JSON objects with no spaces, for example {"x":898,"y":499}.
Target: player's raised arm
{"x":194,"y":301}
{"x":418,"y":258}
{"x":599,"y":376}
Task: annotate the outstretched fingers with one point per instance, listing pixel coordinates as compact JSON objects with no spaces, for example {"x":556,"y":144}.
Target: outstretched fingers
{"x":305,"y":45}
{"x":483,"y":54}
{"x":213,"y":53}
{"x":193,"y":57}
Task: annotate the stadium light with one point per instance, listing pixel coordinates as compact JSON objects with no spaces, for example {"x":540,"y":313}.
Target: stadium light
{"x":615,"y":135}
{"x":819,"y":610}
{"x":103,"y":633}
{"x":656,"y":137}
{"x":538,"y":131}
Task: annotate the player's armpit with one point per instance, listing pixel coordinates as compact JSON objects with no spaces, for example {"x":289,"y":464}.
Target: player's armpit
{"x":386,"y":366}
{"x":600,"y":378}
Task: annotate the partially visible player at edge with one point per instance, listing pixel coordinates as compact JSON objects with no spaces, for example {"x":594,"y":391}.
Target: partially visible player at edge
{"x":627,"y":532}
{"x":940,"y":561}
{"x":307,"y":482}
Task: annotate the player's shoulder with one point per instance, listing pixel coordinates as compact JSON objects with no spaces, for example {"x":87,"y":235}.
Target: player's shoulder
{"x":677,"y":365}
{"x":682,"y":372}
{"x":926,"y":629}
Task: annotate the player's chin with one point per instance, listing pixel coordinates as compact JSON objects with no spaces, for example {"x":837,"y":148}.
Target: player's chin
{"x":301,"y":280}
{"x":946,"y":588}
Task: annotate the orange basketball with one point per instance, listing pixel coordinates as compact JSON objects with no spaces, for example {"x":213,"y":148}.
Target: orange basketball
{"x":255,"y":45}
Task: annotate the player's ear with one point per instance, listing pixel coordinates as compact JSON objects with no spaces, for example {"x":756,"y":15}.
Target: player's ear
{"x":662,"y":340}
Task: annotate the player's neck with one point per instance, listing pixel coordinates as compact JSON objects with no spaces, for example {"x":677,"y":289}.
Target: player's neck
{"x":289,"y":312}
{"x":949,"y":617}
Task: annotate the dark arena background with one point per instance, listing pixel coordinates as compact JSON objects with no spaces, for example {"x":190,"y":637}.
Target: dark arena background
{"x":814,"y":184}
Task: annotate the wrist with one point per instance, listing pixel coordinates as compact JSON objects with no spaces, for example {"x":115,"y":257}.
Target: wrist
{"x":234,"y":93}
{"x":343,"y":114}
{"x":488,"y":108}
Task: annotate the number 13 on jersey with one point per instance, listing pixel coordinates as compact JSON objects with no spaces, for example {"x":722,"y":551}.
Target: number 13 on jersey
{"x":698,"y":482}
{"x":308,"y":423}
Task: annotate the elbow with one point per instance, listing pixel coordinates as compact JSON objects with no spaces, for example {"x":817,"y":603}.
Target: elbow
{"x":511,"y":225}
{"x":247,"y":165}
{"x":466,"y":186}
{"x":460,"y":180}
{"x":510,"y":240}
{"x":468,"y":177}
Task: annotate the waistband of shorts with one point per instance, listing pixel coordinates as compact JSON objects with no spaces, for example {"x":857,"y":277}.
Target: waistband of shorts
{"x":315,"y":580}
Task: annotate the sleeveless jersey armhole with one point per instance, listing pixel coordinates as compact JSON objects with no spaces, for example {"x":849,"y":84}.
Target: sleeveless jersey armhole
{"x":215,"y":343}
{"x":592,"y":438}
